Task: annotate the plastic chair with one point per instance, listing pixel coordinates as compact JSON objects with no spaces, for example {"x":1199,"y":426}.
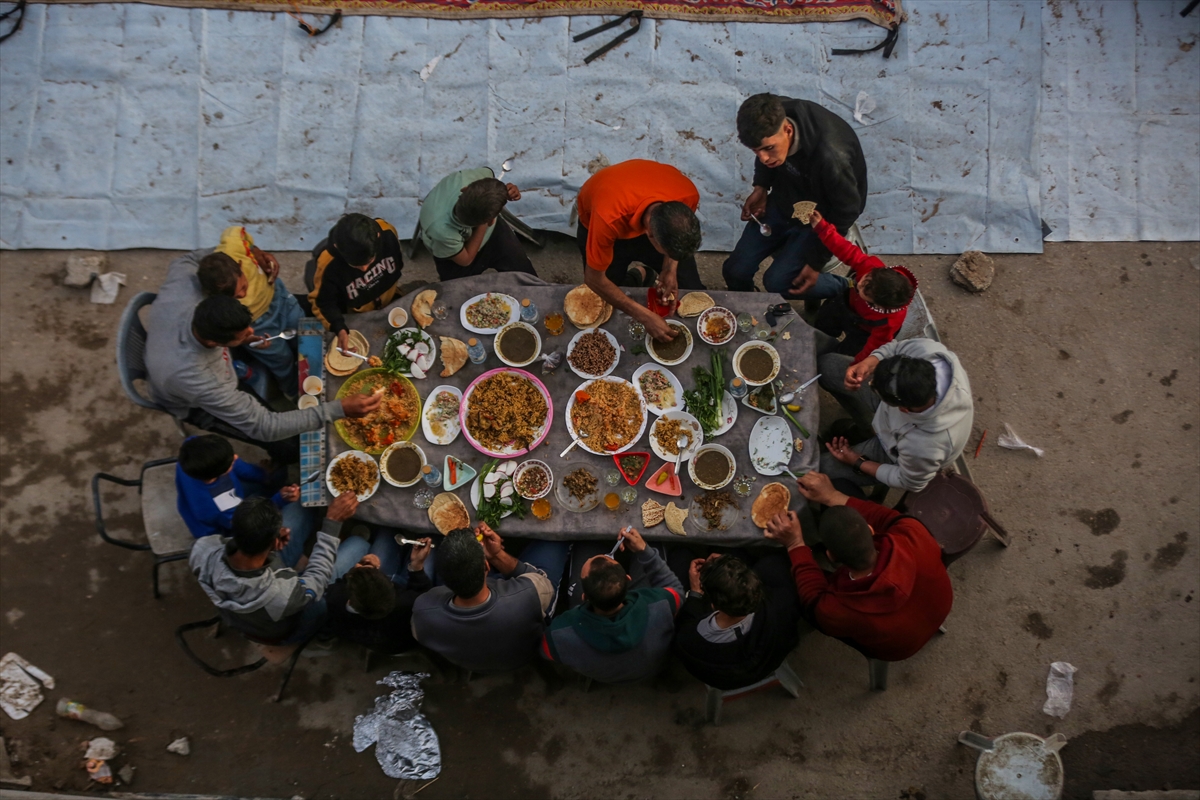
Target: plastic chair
{"x":955,"y":512}
{"x":272,"y":652}
{"x":131,"y":354}
{"x":784,"y":676}
{"x":167,"y":535}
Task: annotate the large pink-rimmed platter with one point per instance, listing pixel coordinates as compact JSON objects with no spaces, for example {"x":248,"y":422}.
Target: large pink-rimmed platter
{"x":511,"y":450}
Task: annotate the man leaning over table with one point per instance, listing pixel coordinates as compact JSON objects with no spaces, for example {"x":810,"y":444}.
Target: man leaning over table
{"x":461,"y":226}
{"x":644,"y":212}
{"x":191,"y":373}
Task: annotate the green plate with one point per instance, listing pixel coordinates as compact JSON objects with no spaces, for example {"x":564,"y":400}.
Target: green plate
{"x":360,"y":383}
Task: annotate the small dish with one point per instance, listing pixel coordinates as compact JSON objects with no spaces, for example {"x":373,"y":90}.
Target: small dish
{"x":611,"y":340}
{"x":683,"y":331}
{"x":390,"y":452}
{"x":671,"y":487}
{"x":464,"y":473}
{"x":746,"y":350}
{"x":526,"y":467}
{"x":703,"y":453}
{"x":632,"y":481}
{"x":537,"y":344}
{"x":708,"y":317}
{"x":571,"y":503}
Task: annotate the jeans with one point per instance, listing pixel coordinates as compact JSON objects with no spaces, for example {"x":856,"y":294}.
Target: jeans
{"x":787,"y":242}
{"x":309,"y":622}
{"x":860,"y":403}
{"x":279,"y":356}
{"x":393,"y":557}
{"x":627,"y":251}
{"x":301,"y":522}
{"x":844,"y":474}
{"x":349,"y":552}
{"x":502,"y":252}
{"x":551,"y":558}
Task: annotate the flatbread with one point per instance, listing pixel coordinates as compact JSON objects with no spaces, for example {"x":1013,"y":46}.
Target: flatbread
{"x":695,"y":303}
{"x":448,"y":513}
{"x":585,"y":308}
{"x":341,"y":365}
{"x":423,"y":306}
{"x":652,"y":513}
{"x":803,"y":211}
{"x":675,"y":517}
{"x":773,"y":499}
{"x":454,"y":355}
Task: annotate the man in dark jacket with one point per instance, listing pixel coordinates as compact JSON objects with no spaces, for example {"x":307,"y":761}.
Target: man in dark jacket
{"x":803,"y":152}
{"x":739,"y":623}
{"x":367,"y":607}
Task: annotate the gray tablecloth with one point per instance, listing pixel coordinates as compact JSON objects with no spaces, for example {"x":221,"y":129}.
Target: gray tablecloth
{"x":393,"y":506}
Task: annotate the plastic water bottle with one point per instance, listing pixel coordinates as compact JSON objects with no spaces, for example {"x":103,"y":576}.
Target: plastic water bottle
{"x":529,"y":311}
{"x":101,"y":719}
{"x":432,"y":475}
{"x":475,"y":351}
{"x":737,"y":388}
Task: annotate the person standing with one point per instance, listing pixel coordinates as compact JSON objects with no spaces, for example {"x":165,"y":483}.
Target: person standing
{"x":803,"y":152}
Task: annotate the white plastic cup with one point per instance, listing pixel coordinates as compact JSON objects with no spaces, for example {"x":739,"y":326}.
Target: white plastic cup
{"x":308,"y":401}
{"x":313,"y":385}
{"x":397,"y":317}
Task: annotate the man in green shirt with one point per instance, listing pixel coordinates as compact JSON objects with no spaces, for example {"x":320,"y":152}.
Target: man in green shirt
{"x":461,"y":226}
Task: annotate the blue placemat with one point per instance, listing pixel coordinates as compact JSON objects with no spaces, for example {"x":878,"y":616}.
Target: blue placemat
{"x":311,"y":348}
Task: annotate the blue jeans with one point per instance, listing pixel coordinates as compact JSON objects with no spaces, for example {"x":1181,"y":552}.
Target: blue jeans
{"x":279,"y":356}
{"x":301,"y":522}
{"x":393,"y":557}
{"x":551,"y":558}
{"x":787,"y":242}
{"x":349,"y":553}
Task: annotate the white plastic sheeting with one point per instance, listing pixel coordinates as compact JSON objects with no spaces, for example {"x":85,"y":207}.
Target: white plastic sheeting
{"x":141,"y":126}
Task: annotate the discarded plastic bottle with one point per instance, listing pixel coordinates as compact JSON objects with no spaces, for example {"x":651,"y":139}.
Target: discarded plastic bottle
{"x":101,"y":719}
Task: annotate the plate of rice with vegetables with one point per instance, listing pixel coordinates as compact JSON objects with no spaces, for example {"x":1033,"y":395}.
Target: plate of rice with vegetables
{"x":488,"y":313}
{"x":352,"y":471}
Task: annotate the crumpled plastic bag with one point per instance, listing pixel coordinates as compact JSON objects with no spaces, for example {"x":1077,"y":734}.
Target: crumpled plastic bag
{"x":406,"y":745}
{"x":105,"y":287}
{"x":20,"y":693}
{"x":1060,"y":689}
{"x":864,"y":104}
{"x":1010,"y":440}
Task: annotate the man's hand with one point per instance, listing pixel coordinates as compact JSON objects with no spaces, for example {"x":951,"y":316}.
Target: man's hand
{"x":667,"y":284}
{"x":804,"y":281}
{"x":839,"y":448}
{"x":416,"y":558}
{"x":290,"y":494}
{"x":343,"y":507}
{"x":344,"y":341}
{"x":817,"y":488}
{"x":659,"y":330}
{"x":285,"y":536}
{"x":784,"y":528}
{"x":632,"y":541}
{"x":694,"y":574}
{"x":359,"y":405}
{"x":493,"y":545}
{"x":856,"y":374}
{"x":267,"y":263}
{"x":755,"y":204}
{"x":513,"y":192}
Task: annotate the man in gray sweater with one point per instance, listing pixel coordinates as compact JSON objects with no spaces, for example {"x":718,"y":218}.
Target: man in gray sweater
{"x":482,"y":623}
{"x":191,"y":372}
{"x":922,"y":424}
{"x":252,"y":577}
{"x":618,"y":635}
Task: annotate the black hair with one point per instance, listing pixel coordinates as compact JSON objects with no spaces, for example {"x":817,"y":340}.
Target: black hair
{"x":605,"y":585}
{"x":256,"y":524}
{"x":220,"y":319}
{"x":905,"y":382}
{"x":205,"y":457}
{"x":847,"y":537}
{"x":759,"y":117}
{"x":370,"y":592}
{"x":218,"y":274}
{"x":676,"y":228}
{"x":731,"y":586}
{"x":889,"y":289}
{"x":481,"y":202}
{"x":461,"y":562}
{"x":355,"y":238}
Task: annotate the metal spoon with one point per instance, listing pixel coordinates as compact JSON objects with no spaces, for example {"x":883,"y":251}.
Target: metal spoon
{"x":679,"y":445}
{"x":287,"y":335}
{"x":784,"y":467}
{"x":351,"y":353}
{"x":401,"y":540}
{"x":571,"y":446}
{"x":763,"y":227}
{"x":316,"y":474}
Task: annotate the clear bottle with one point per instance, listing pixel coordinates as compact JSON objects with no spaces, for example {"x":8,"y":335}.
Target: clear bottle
{"x":432,"y":475}
{"x":476,"y":351}
{"x":529,"y":311}
{"x":101,"y":719}
{"x":737,"y":388}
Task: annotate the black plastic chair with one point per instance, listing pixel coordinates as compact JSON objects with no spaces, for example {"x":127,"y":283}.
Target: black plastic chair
{"x":221,"y":624}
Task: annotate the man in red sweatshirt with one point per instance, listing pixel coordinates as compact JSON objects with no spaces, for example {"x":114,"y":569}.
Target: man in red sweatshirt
{"x":889,"y":591}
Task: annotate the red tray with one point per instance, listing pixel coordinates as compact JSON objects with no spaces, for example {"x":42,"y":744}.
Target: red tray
{"x":617,"y":460}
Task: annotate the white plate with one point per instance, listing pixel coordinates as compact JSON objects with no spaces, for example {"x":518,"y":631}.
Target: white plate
{"x":716,"y":311}
{"x":737,"y":355}
{"x":426,"y":363}
{"x":729,"y":414}
{"x":524,"y":465}
{"x":643,"y":369}
{"x":451,"y":427}
{"x":537,"y":348}
{"x":476,"y":486}
{"x":770,"y":444}
{"x":687,"y":352}
{"x":612,"y":340}
{"x":697,"y":436}
{"x":720,"y":449}
{"x":583,"y":444}
{"x":774,"y":409}
{"x":729,"y":516}
{"x":386,"y":454}
{"x":514,"y":314}
{"x":361,"y":456}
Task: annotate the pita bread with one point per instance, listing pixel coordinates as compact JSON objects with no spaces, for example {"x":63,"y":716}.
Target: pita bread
{"x":448,"y":513}
{"x":454,"y":355}
{"x":773,"y":499}
{"x":584,"y":307}
{"x":803,"y":211}
{"x":694,"y":303}
{"x":341,"y":365}
{"x":652,"y":513}
{"x":422,"y":306}
{"x":675,"y":517}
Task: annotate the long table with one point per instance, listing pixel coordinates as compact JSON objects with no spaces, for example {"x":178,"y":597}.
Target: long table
{"x":394,"y":507}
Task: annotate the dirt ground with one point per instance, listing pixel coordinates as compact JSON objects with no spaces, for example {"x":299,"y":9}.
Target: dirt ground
{"x":1089,"y":351}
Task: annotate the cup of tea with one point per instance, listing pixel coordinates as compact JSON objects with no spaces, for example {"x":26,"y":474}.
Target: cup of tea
{"x":554,"y":323}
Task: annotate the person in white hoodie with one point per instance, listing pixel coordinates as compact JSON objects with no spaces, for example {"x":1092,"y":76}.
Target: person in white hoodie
{"x":923,"y":417}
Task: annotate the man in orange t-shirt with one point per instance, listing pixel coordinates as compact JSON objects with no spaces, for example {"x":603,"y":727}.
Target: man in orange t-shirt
{"x":639,"y":211}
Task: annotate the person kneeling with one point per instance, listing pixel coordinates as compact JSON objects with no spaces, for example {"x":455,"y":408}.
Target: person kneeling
{"x":367,"y":607}
{"x":618,"y":635}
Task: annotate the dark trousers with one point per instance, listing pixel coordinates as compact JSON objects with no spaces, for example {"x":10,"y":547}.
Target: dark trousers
{"x":626,"y":251}
{"x":502,"y":252}
{"x":284,"y":451}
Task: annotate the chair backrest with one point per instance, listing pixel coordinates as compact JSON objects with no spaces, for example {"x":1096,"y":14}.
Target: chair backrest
{"x":166,"y":531}
{"x":310,"y":266}
{"x":131,"y":350}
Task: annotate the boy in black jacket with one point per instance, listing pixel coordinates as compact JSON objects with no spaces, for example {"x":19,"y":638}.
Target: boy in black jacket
{"x":367,"y":608}
{"x":738,"y":624}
